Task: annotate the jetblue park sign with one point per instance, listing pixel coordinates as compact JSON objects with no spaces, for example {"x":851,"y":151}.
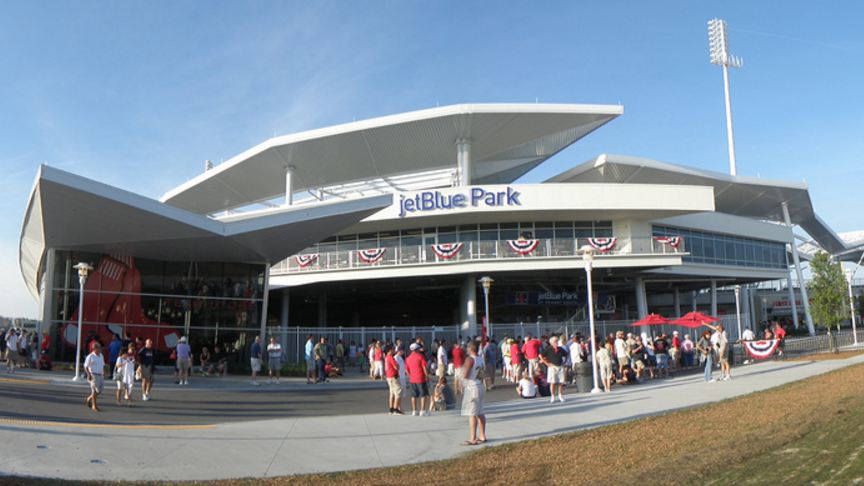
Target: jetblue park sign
{"x":475,"y":197}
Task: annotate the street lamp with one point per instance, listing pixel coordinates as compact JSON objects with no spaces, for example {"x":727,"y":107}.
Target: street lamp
{"x":486,"y":282}
{"x":849,"y":274}
{"x":83,"y":269}
{"x":738,"y":308}
{"x":588,"y":257}
{"x":718,"y":45}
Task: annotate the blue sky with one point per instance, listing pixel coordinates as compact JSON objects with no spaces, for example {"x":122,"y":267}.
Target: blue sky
{"x":139,"y":94}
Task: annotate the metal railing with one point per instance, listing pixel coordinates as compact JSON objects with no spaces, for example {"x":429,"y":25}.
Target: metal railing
{"x":398,"y":254}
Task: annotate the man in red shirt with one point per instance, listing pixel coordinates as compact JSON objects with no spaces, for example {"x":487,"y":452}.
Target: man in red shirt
{"x":531,"y":350}
{"x":458,"y":361}
{"x":780,"y":336}
{"x":416,"y":366}
{"x":391,"y":371}
{"x":515,"y":360}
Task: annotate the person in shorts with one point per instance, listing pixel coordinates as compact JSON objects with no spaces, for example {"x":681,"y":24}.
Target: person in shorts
{"x":661,"y":353}
{"x":553,"y":357}
{"x":416,"y":366}
{"x":391,"y":371}
{"x":147,"y":365}
{"x":255,"y":359}
{"x":621,"y":352}
{"x":274,"y":359}
{"x":310,"y":360}
{"x":124,"y":374}
{"x":94,"y":367}
{"x":184,"y":360}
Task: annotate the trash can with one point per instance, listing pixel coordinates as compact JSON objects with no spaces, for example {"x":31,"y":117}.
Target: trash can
{"x":584,"y":378}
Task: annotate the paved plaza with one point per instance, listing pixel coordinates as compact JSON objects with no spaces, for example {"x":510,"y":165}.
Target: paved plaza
{"x":187,"y":447}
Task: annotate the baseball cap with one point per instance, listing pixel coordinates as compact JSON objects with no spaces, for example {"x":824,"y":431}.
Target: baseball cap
{"x":414,"y":347}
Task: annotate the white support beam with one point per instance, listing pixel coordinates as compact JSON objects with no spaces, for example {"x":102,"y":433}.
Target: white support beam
{"x":805,"y":299}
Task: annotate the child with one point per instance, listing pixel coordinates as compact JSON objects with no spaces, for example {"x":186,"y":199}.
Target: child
{"x":438,"y":403}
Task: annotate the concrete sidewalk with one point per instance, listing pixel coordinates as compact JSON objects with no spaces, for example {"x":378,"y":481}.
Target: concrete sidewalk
{"x":320,"y":444}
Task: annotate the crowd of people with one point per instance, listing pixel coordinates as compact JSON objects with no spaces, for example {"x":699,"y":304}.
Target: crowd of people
{"x":23,"y":349}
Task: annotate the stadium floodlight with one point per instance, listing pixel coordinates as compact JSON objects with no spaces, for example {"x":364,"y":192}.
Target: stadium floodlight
{"x":718,"y":47}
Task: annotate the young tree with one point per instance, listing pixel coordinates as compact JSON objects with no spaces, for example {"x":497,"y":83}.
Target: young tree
{"x":828,"y":292}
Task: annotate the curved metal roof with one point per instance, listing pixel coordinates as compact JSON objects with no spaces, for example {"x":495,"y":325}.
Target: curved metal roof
{"x":69,"y":212}
{"x":507,"y":140}
{"x":742,"y":196}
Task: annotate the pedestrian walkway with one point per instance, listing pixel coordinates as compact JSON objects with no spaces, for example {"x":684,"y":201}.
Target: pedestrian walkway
{"x":320,"y":444}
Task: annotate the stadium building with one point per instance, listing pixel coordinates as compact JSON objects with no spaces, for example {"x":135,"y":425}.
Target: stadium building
{"x":384,"y":227}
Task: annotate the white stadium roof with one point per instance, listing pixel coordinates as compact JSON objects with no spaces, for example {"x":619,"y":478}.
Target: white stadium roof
{"x":70,"y":212}
{"x":507,"y":140}
{"x":741,"y":196}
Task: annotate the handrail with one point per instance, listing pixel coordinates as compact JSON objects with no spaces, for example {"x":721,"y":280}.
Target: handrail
{"x":394,"y":255}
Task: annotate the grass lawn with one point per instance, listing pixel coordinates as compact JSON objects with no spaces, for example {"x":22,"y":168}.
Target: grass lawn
{"x":808,"y":432}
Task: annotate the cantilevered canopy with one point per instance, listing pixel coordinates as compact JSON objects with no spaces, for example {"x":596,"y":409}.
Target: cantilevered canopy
{"x":742,"y":196}
{"x":69,"y":212}
{"x":507,"y":140}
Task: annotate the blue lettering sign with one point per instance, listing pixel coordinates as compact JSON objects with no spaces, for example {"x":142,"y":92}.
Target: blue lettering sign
{"x":436,"y":200}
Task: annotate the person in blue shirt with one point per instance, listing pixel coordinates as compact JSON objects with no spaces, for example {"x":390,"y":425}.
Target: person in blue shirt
{"x":255,"y":358}
{"x":113,"y":353}
{"x":310,"y":360}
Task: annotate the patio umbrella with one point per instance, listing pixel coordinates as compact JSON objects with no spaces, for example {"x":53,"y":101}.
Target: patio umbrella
{"x":651,"y":320}
{"x":693,"y":320}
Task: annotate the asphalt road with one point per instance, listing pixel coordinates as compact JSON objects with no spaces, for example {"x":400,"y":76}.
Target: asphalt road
{"x":28,"y":398}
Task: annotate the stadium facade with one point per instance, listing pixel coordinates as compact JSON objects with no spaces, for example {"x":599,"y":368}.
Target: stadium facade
{"x":390,"y":222}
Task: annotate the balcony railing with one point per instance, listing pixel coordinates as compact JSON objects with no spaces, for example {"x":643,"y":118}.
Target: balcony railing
{"x":448,"y":253}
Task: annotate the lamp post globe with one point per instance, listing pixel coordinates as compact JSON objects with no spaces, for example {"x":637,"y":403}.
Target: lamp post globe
{"x":588,"y":257}
{"x":486,"y":282}
{"x":83,"y":270}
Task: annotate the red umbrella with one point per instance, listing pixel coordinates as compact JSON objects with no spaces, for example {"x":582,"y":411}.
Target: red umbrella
{"x":693,"y":319}
{"x":651,"y":320}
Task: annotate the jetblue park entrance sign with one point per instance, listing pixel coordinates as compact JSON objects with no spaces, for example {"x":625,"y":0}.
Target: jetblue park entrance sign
{"x":474,"y":197}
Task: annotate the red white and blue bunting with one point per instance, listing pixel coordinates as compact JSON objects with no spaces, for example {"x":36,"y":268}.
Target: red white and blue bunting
{"x":523,"y":247}
{"x":761,"y":349}
{"x":673,"y":241}
{"x":371,"y":255}
{"x":603,"y":245}
{"x":306,"y":260}
{"x":447,"y":251}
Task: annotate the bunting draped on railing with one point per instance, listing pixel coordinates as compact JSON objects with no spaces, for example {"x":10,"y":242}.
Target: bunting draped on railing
{"x":447,"y":251}
{"x":603,"y":245}
{"x":371,"y":255}
{"x":761,"y":349}
{"x":306,"y":260}
{"x":523,"y":247}
{"x":673,"y":241}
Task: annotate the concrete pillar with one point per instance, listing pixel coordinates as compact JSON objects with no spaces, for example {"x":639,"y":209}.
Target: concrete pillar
{"x":676,"y":301}
{"x":46,"y":295}
{"x":747,"y":308}
{"x":693,"y":304}
{"x":714,"y":298}
{"x":791,"y":293}
{"x":805,"y":299}
{"x":468,"y":307}
{"x":463,"y":161}
{"x":322,"y":310}
{"x":641,"y":298}
{"x":289,"y":185}
{"x":265,"y":301}
{"x":283,"y":318}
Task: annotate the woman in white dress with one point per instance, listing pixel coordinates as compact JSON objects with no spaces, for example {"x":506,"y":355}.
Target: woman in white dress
{"x":125,"y":374}
{"x":472,"y":398}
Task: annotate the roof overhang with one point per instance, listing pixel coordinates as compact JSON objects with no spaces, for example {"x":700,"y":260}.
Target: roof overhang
{"x":741,"y":196}
{"x":507,"y":140}
{"x":69,"y":212}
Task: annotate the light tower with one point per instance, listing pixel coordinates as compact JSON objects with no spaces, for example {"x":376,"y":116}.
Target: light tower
{"x":718,"y":45}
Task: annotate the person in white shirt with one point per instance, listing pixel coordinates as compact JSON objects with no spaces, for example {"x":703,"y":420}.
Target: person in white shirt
{"x":274,"y":359}
{"x":526,"y":388}
{"x":94,"y":366}
{"x":748,"y":335}
{"x":11,"y":350}
{"x":621,"y":352}
{"x":442,"y":359}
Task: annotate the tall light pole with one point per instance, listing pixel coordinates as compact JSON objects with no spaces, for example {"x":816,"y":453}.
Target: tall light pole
{"x":486,"y":282}
{"x":83,"y":270}
{"x":588,"y":257}
{"x":849,"y":274}
{"x":718,"y":45}
{"x":738,"y":308}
